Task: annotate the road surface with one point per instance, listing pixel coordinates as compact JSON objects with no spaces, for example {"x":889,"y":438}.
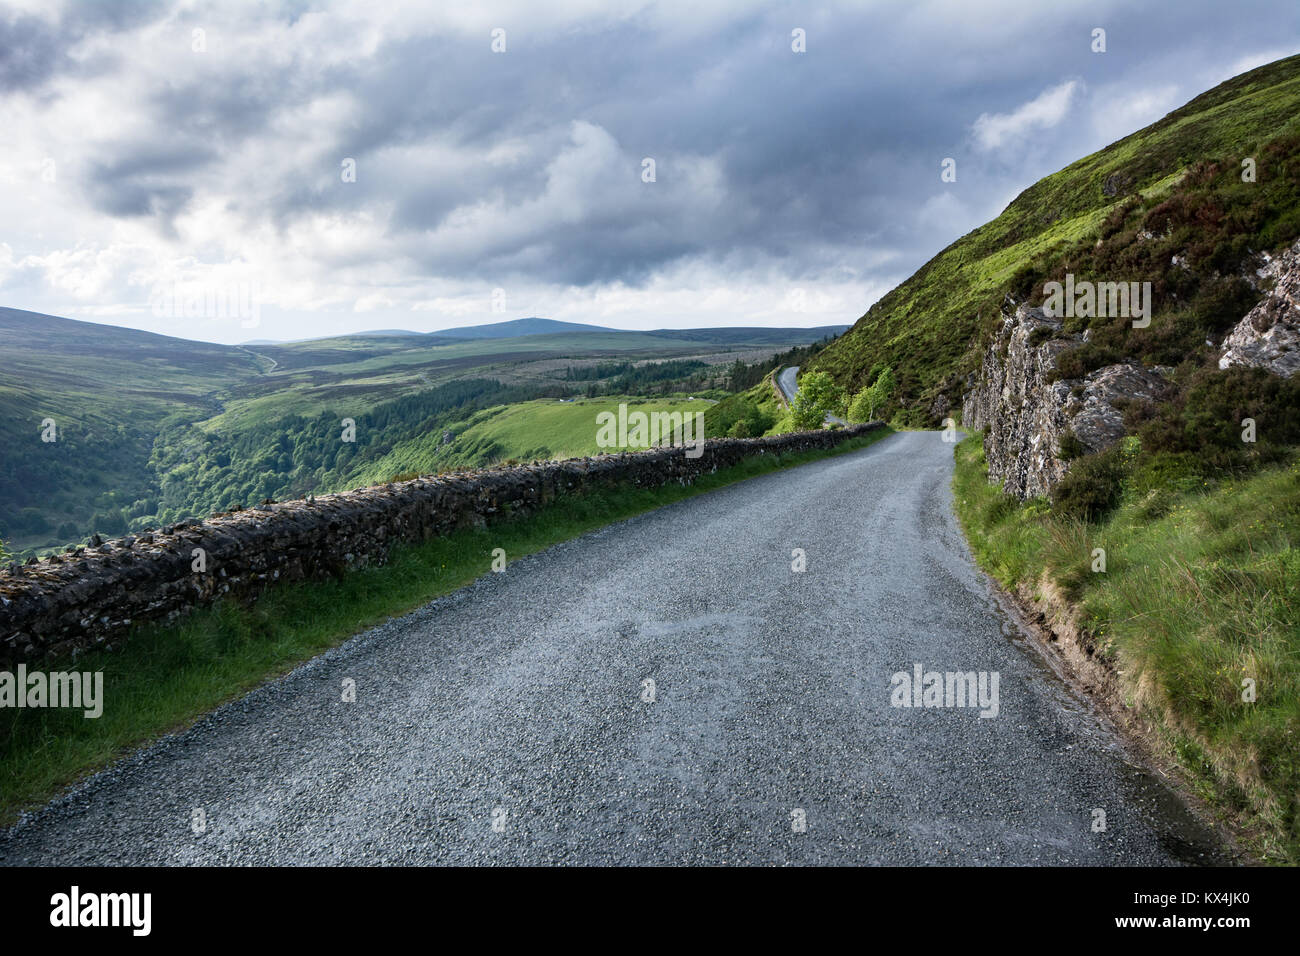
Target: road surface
{"x":511,"y":722}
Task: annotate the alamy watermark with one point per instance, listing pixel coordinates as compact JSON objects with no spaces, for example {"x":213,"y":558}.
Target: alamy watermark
{"x":650,"y":429}
{"x":128,"y":910}
{"x":923,"y":688}
{"x":1125,"y":300}
{"x":220,"y":301}
{"x":83,"y":690}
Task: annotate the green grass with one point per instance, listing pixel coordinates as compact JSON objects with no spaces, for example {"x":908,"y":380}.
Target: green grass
{"x":760,"y":400}
{"x":1201,"y":591}
{"x":165,"y":677}
{"x":542,"y":429}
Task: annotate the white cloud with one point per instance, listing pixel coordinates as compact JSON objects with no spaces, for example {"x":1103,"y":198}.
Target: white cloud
{"x":1118,"y":111}
{"x":775,"y":172}
{"x":993,"y":130}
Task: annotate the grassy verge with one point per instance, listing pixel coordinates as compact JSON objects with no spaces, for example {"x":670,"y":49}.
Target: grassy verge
{"x":165,"y":677}
{"x":1200,"y":593}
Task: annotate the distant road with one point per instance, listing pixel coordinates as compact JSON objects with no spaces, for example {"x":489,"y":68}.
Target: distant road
{"x":768,"y":735}
{"x":258,"y":355}
{"x":787,"y":381}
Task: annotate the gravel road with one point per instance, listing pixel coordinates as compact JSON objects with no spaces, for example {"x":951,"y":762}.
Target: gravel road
{"x":506,"y":723}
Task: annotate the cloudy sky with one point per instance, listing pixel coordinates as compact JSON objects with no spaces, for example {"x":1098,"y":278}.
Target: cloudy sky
{"x":232,"y":172}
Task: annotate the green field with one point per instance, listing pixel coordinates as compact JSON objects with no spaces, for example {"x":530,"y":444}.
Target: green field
{"x":524,"y":431}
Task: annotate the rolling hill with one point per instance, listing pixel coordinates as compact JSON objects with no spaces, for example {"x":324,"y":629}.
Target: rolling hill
{"x":517,"y":327}
{"x":151,"y":428}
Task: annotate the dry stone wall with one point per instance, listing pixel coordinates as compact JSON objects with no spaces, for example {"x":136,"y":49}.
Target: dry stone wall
{"x":91,"y":597}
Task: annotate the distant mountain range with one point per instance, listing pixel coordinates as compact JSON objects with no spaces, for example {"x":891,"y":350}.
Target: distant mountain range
{"x":517,"y":328}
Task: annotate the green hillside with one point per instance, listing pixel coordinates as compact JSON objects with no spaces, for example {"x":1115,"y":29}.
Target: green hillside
{"x":523,"y":431}
{"x":108,"y":392}
{"x":1178,"y":179}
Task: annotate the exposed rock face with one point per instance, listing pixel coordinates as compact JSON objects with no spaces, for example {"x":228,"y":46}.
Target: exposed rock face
{"x":1269,"y":335}
{"x":91,"y":597}
{"x":1024,"y":417}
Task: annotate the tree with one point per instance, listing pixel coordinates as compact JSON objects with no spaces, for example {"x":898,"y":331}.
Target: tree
{"x":818,"y":394}
{"x":872,"y":398}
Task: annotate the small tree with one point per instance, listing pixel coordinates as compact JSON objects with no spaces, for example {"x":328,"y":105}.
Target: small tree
{"x":874,"y":397}
{"x":818,"y":394}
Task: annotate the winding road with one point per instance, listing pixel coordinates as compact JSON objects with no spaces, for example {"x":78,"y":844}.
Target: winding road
{"x":514,"y":721}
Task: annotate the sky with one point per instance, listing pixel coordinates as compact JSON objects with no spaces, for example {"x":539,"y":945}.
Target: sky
{"x":233,"y":172}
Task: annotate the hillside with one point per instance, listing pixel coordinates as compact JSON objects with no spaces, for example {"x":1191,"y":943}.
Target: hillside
{"x":150,"y":429}
{"x":108,"y":392}
{"x":1168,"y":181}
{"x":541,"y":429}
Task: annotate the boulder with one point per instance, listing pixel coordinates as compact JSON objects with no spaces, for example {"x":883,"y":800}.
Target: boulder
{"x":1025,"y":416}
{"x":1268,"y":336}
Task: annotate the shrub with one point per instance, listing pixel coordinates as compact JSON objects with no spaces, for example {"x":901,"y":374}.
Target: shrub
{"x":1092,"y":486}
{"x":1204,"y":422}
{"x":873,"y":398}
{"x":1068,"y":447}
{"x":1082,"y":359}
{"x":1040,"y":335}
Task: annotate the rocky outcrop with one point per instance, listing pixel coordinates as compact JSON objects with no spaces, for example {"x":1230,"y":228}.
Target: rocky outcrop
{"x":1025,"y":416}
{"x":92,"y":597}
{"x":1269,"y":335}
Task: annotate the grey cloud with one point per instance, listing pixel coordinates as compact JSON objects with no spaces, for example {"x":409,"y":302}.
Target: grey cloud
{"x":825,"y":160}
{"x":147,"y":182}
{"x":34,"y":49}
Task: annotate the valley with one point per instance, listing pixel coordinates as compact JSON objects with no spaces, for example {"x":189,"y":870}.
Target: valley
{"x":153,"y":429}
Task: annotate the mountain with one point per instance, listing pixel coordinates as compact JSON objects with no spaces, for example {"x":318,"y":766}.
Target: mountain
{"x":518,"y":327}
{"x":738,"y":335}
{"x":1166,"y":204}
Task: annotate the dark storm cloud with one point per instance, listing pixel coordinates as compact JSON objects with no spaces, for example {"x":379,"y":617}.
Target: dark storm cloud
{"x":30,"y":51}
{"x":821,"y":161}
